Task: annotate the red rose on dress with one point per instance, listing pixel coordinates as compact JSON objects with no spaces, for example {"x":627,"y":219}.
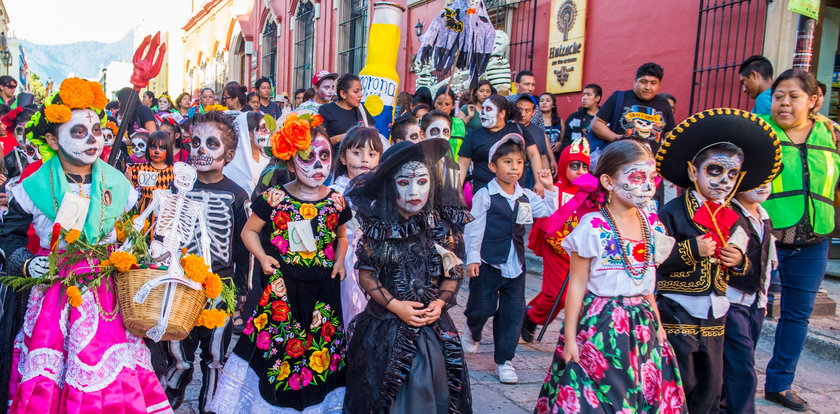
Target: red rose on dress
{"x":265,"y":296}
{"x":672,"y":398}
{"x":596,"y":306}
{"x":569,"y":403}
{"x":542,"y":406}
{"x":592,"y":361}
{"x":294,"y":348}
{"x":620,"y":322}
{"x":281,"y":220}
{"x":591,"y":397}
{"x":642,"y":333}
{"x":263,"y":340}
{"x":327,"y":331}
{"x":332,"y":221}
{"x":334,"y":360}
{"x":639,"y":252}
{"x":280,"y":311}
{"x":651,"y":379}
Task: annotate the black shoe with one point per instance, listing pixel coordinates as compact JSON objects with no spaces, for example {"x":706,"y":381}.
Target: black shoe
{"x":528,"y":329}
{"x":788,"y":399}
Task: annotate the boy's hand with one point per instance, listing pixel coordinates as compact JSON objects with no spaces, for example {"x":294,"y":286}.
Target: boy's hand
{"x":706,"y":246}
{"x":472,"y":269}
{"x":545,"y":178}
{"x":731,"y":257}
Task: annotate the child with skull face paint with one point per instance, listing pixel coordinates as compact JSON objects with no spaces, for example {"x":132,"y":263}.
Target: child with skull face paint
{"x":254,"y":129}
{"x":19,"y":156}
{"x":225,"y":204}
{"x":496,"y":251}
{"x":404,"y":353}
{"x":92,"y":334}
{"x":711,"y":155}
{"x":139,"y":145}
{"x":290,"y":356}
{"x":156,"y":174}
{"x":613,"y":348}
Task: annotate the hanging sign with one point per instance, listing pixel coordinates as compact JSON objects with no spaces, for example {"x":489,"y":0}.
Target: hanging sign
{"x":567,"y":32}
{"x":807,"y":8}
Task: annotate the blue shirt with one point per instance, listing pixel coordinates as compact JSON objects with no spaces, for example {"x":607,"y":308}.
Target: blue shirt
{"x":762,"y":103}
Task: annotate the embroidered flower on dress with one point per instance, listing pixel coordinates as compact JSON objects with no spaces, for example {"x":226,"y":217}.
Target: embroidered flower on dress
{"x":319,"y":361}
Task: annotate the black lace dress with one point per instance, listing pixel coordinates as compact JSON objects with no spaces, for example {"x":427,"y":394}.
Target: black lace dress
{"x":397,"y":368}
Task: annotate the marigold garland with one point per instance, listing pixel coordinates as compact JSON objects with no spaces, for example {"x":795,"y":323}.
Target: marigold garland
{"x":57,"y":113}
{"x":215,"y":107}
{"x":74,"y":297}
{"x":72,"y":236}
{"x":112,"y":126}
{"x":212,"y":318}
{"x":195,"y":268}
{"x":212,"y":286}
{"x":123,"y":261}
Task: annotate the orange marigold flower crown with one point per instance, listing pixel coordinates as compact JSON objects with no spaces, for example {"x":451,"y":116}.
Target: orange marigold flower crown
{"x":295,"y":135}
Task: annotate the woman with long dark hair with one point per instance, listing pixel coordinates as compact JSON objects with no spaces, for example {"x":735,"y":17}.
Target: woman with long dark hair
{"x":470,"y":111}
{"x":347,"y":111}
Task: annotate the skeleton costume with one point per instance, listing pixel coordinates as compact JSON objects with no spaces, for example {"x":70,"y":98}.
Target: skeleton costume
{"x":74,"y":359}
{"x":691,"y":289}
{"x":224,"y":215}
{"x":396,"y":367}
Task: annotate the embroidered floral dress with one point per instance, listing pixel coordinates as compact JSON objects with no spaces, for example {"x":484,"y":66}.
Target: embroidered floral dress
{"x":622,"y":367}
{"x":290,"y":357}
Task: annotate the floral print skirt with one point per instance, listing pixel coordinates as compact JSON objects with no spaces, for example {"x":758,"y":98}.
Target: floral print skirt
{"x":623,"y":368}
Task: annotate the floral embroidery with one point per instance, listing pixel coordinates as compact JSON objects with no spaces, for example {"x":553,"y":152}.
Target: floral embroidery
{"x":611,"y":256}
{"x":556,"y":240}
{"x":325,"y":215}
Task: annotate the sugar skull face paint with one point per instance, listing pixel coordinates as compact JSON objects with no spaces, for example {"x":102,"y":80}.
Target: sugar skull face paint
{"x":108,"y":136}
{"x":80,"y":139}
{"x":164,"y":104}
{"x":438,"y":128}
{"x":326,"y":90}
{"x":757,"y":195}
{"x":261,"y":135}
{"x":207,"y":148}
{"x":185,"y":176}
{"x":314,"y":170}
{"x":489,"y":113}
{"x":636,"y":183}
{"x":716,"y":177}
{"x":138,"y":146}
{"x":413,"y":187}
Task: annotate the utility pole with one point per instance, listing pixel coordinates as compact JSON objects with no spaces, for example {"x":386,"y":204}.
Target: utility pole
{"x":804,"y":43}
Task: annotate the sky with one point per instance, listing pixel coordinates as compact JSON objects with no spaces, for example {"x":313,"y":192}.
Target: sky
{"x":68,"y":21}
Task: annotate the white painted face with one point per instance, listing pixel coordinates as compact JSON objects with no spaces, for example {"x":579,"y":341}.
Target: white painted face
{"x":108,"y":136}
{"x":438,"y":128}
{"x":24,"y":145}
{"x":636,"y":183}
{"x":164,"y":104}
{"x":314,"y":170}
{"x":757,"y":195}
{"x":489,"y":113}
{"x":413,"y":187}
{"x":138,"y":147}
{"x":717,"y":176}
{"x":326,"y":90}
{"x":80,"y":139}
{"x":260,"y":136}
{"x":412,"y":133}
{"x":207,"y":148}
{"x":185,"y":176}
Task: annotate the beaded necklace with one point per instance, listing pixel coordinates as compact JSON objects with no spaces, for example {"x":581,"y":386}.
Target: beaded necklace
{"x":638,"y":276}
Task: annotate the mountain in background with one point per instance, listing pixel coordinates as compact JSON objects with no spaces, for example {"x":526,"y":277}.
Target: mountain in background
{"x":82,"y":59}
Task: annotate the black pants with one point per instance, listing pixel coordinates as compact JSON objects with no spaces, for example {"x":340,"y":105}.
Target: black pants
{"x":504,"y":300}
{"x":214,"y":344}
{"x":743,"y":327}
{"x":698,"y":345}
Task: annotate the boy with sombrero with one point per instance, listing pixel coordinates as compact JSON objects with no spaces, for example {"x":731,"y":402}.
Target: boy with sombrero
{"x":712,"y":155}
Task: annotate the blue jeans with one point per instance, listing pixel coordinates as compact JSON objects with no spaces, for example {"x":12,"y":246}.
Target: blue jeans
{"x":801,"y":271}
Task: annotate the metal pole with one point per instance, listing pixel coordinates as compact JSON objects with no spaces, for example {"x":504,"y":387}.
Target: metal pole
{"x":554,"y":307}
{"x":127,"y":116}
{"x":804,"y":43}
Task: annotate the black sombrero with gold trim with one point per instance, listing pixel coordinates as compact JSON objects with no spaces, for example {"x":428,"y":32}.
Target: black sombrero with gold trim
{"x":762,"y":152}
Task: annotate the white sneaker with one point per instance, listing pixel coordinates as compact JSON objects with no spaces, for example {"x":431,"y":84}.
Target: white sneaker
{"x":470,"y":346}
{"x":507,"y":373}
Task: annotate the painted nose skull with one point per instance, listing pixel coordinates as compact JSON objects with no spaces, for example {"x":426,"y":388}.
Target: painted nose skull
{"x":138,"y":146}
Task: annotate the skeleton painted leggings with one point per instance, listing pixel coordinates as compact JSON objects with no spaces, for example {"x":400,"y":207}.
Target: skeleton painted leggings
{"x":214,"y":344}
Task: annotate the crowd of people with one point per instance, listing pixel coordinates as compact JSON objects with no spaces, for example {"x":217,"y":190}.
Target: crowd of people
{"x":347,"y":248}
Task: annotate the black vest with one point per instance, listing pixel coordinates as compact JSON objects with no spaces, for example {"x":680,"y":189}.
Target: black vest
{"x":753,"y":279}
{"x":500,"y":229}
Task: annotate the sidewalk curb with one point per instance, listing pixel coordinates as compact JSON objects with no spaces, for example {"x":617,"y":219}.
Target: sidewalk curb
{"x":816,"y":342}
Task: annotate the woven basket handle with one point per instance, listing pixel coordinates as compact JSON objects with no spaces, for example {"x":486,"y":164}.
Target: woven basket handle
{"x":170,"y":283}
{"x":144,"y":291}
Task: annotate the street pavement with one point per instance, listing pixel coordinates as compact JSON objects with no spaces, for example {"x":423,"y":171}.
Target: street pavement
{"x":816,"y":380}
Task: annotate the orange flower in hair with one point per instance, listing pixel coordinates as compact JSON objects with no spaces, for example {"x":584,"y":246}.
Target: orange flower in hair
{"x":57,"y":114}
{"x":295,"y":135}
{"x":99,"y":98}
{"x":76,"y":93}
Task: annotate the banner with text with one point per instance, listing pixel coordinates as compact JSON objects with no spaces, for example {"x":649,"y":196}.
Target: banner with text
{"x":567,"y":35}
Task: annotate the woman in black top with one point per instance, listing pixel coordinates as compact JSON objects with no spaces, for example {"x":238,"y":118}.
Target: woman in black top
{"x":498,"y":118}
{"x":347,"y":112}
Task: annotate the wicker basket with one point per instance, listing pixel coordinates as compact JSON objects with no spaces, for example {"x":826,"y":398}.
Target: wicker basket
{"x":140,"y":317}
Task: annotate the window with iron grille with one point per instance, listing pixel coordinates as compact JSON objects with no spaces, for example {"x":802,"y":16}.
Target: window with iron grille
{"x":269,"y":51}
{"x":728,"y":32}
{"x":304,"y":44}
{"x":353,"y":31}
